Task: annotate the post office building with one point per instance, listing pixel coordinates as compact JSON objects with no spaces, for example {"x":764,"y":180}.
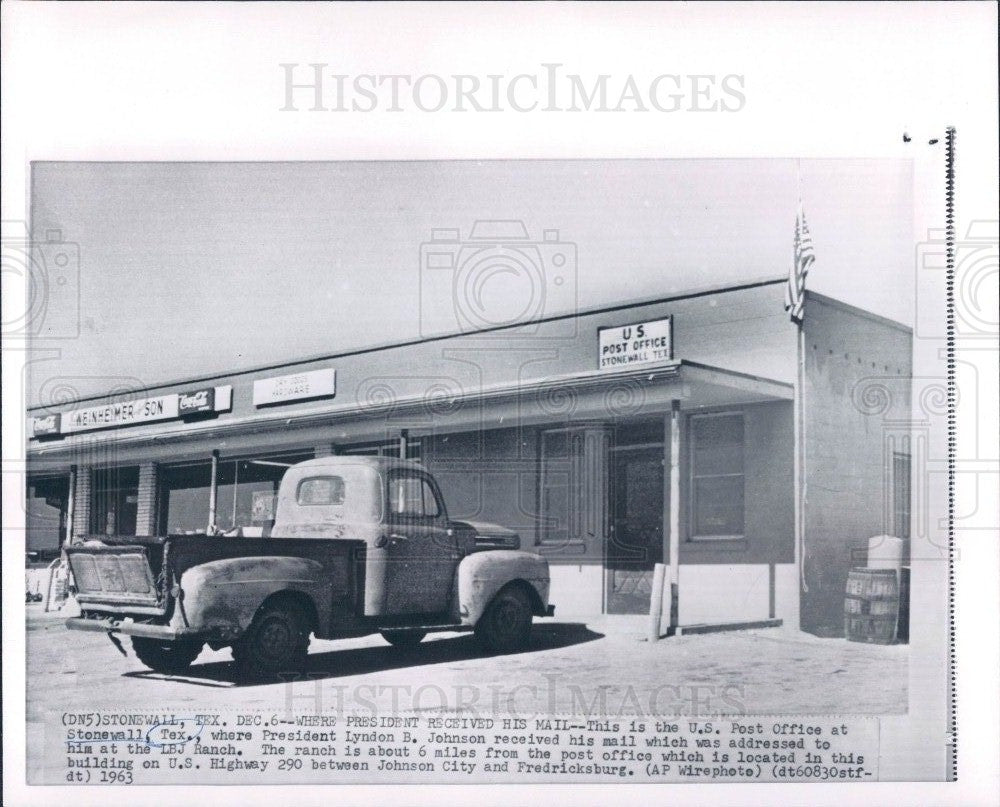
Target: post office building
{"x":703,"y":422}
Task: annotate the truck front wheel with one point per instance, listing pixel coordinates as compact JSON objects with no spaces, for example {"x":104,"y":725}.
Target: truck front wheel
{"x":277,"y":641}
{"x":166,"y":657}
{"x":506,"y":624}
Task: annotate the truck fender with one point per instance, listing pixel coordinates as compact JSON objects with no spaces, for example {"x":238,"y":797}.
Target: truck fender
{"x":481,"y":575}
{"x":223,"y":596}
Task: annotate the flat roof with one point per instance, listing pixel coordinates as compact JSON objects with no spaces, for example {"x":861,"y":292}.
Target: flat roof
{"x":622,"y":306}
{"x":198,"y":269}
{"x":861,"y":312}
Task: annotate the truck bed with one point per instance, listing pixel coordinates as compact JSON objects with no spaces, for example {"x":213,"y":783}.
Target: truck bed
{"x":137,"y":574}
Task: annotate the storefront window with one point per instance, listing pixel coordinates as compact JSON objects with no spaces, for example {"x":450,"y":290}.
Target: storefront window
{"x":717,"y":500}
{"x":115,"y":503}
{"x":387,"y":449}
{"x":184,"y":498}
{"x":246,"y":490}
{"x":45,"y":519}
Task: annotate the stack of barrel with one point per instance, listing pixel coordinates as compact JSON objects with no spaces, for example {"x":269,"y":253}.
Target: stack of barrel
{"x":872,"y":611}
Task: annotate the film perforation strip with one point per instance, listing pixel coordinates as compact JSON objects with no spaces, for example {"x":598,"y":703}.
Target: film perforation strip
{"x":949,"y":199}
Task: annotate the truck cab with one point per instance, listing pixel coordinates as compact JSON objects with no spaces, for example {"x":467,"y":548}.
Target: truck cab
{"x":359,"y":545}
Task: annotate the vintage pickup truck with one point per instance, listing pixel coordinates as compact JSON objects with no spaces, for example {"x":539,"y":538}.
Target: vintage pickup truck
{"x":359,"y":545}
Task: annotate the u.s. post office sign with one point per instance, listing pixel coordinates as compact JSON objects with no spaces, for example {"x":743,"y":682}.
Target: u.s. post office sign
{"x":641,"y":343}
{"x":295,"y":387}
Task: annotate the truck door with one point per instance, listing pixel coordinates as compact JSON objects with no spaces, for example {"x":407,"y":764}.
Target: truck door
{"x":422,"y":551}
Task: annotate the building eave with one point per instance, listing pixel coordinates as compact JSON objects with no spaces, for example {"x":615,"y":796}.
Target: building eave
{"x":684,"y":377}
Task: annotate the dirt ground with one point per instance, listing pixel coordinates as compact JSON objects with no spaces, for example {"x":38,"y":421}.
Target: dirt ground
{"x":601,"y":667}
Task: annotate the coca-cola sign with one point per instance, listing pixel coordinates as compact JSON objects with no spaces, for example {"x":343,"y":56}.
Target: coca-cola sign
{"x":202,"y":400}
{"x":43,"y":426}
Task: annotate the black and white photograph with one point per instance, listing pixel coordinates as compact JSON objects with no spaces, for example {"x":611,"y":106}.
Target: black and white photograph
{"x":455,"y":427}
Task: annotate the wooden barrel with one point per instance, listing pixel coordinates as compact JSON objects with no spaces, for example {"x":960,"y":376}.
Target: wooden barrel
{"x":871,"y":606}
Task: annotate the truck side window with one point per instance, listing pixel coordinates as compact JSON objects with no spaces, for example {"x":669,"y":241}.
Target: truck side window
{"x":320,"y":490}
{"x":412,"y":496}
{"x":430,"y":503}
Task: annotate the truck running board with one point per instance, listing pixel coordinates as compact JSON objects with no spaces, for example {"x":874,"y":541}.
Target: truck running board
{"x":433,"y":628}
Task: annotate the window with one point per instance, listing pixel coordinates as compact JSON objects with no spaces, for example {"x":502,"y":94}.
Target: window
{"x":184,"y":497}
{"x":114,"y":501}
{"x":45,"y":517}
{"x":246,"y":490}
{"x":412,"y":496}
{"x":320,"y":490}
{"x":716,"y":480}
{"x":561,"y":486}
{"x":387,"y":449}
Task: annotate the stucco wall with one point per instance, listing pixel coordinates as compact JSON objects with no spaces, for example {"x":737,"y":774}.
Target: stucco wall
{"x":769,"y":496}
{"x":856,"y":409}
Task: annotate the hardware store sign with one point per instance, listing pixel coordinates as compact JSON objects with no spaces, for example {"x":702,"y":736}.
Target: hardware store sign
{"x":296,"y":387}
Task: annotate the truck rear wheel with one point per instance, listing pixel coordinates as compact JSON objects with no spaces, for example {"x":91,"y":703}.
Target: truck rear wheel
{"x":404,"y":638}
{"x":506,"y":624}
{"x":277,"y":641}
{"x":166,"y":657}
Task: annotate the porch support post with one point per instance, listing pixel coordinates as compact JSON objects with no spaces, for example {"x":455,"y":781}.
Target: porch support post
{"x":70,"y":506}
{"x":84,"y":504}
{"x":213,"y":492}
{"x":404,"y":438}
{"x":675,"y":511}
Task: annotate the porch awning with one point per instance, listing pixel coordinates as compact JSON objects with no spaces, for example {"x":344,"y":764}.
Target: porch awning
{"x":600,"y":396}
{"x":589,"y":397}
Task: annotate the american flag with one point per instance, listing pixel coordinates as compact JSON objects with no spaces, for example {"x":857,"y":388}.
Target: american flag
{"x":795,"y":291}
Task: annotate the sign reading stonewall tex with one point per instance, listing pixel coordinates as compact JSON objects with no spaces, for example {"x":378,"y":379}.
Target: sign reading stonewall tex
{"x":638,"y":344}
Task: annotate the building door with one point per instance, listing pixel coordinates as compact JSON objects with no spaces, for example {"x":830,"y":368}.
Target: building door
{"x":635,"y":544}
{"x":115,"y":501}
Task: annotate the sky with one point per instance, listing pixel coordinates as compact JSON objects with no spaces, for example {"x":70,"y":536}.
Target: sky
{"x":189,"y":269}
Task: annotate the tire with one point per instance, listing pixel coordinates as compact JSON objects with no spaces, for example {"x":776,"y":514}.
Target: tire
{"x":277,"y":641}
{"x":506,"y":623}
{"x":166,"y":657}
{"x":404,"y":638}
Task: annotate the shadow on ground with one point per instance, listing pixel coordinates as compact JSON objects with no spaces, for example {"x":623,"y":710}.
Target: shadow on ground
{"x":366,"y":660}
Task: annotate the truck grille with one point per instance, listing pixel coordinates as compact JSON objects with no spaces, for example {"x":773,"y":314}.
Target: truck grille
{"x":122,"y":576}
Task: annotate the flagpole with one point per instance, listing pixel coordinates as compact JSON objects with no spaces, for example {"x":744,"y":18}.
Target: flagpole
{"x":798,"y":414}
{"x":800,"y":453}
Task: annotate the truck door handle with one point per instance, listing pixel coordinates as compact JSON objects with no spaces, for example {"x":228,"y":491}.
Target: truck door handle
{"x":395,"y":539}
